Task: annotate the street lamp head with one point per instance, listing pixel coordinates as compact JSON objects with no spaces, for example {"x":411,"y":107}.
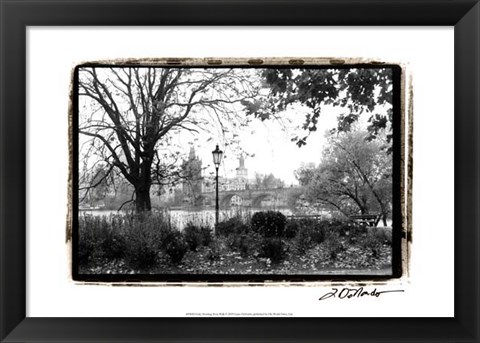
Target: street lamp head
{"x":217,"y":156}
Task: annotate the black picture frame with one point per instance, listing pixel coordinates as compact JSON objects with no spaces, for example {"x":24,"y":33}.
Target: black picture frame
{"x":17,"y":15}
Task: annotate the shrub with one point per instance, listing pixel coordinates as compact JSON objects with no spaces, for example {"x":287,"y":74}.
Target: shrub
{"x":213,"y":253}
{"x":269,"y":224}
{"x":345,"y":228}
{"x":273,"y":249}
{"x":303,"y":241}
{"x":317,"y":232}
{"x":206,"y":233}
{"x":143,"y":246}
{"x":310,"y":233}
{"x":383,"y":235}
{"x":334,"y":247}
{"x":87,"y":244}
{"x":335,"y":225}
{"x":114,"y":245}
{"x":144,"y":234}
{"x":231,"y":226}
{"x":193,"y":236}
{"x":136,"y":238}
{"x":196,"y":236}
{"x":291,"y":229}
{"x":246,"y":244}
{"x":373,"y":244}
{"x":99,"y":238}
{"x":175,"y":246}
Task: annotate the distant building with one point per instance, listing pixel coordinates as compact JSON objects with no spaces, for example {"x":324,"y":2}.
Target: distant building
{"x":242,"y":172}
{"x":237,"y":183}
{"x":196,"y":183}
{"x":240,"y":181}
{"x":192,"y":174}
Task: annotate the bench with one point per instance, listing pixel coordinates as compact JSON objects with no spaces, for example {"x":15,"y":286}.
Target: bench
{"x":366,"y":219}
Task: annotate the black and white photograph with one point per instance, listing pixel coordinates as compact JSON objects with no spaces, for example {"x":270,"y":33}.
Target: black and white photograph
{"x":236,"y":172}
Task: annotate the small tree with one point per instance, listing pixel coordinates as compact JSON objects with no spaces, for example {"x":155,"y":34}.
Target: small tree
{"x":355,"y":176}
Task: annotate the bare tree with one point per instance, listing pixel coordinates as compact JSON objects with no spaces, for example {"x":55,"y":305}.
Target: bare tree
{"x":129,"y":115}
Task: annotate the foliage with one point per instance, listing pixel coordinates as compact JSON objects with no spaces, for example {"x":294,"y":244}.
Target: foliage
{"x":355,"y":176}
{"x":274,"y":249}
{"x":373,"y":242}
{"x":115,"y":242}
{"x":334,"y":247}
{"x":246,"y":244}
{"x":146,"y":239}
{"x":269,"y":223}
{"x":135,"y":238}
{"x":294,"y":198}
{"x":267,"y":181}
{"x":196,"y":236}
{"x":213,"y":252}
{"x":343,"y":227}
{"x":99,"y":237}
{"x":232,"y":226}
{"x":193,"y":236}
{"x":383,"y":235}
{"x":292,"y":228}
{"x":355,"y":89}
{"x":310,"y":233}
{"x":144,"y":234}
{"x":91,"y":232}
{"x":206,"y":234}
{"x":352,"y":230}
{"x":175,"y":246}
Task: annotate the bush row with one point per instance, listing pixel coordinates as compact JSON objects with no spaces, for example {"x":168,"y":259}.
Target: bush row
{"x":140,"y":239}
{"x":268,"y":233}
{"x":137,"y":239}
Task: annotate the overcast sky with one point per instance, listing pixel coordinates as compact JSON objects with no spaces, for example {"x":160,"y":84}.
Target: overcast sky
{"x":267,"y":145}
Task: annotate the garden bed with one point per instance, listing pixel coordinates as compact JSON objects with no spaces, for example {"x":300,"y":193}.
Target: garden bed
{"x":268,"y":244}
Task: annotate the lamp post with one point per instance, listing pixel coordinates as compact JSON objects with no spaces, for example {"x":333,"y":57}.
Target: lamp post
{"x":217,"y":159}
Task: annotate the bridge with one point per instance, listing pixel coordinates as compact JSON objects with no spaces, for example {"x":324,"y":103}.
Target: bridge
{"x":247,"y":197}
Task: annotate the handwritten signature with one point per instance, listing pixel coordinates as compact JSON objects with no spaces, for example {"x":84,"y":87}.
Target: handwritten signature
{"x":349,"y":293}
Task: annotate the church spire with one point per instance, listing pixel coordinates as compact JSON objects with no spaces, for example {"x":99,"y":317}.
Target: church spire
{"x":242,"y":172}
{"x":241,"y":161}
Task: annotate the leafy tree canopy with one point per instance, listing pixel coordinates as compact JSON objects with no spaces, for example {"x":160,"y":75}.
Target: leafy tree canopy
{"x":354,"y":177}
{"x":357,"y":90}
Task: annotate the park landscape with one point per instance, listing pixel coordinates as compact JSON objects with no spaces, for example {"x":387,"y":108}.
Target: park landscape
{"x":234,"y":171}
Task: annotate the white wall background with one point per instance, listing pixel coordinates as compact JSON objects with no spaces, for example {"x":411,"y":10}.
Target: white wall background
{"x":54,"y":51}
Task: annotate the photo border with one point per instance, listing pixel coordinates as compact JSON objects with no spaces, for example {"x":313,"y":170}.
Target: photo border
{"x":399,"y":246}
{"x":17,"y":15}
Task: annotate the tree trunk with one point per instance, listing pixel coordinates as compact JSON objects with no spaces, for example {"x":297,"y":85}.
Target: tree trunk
{"x":144,"y":182}
{"x":142,"y":199}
